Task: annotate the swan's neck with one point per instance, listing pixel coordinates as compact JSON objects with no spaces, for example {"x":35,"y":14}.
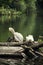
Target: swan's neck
{"x":13,"y":32}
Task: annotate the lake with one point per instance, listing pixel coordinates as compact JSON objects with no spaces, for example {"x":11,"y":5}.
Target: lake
{"x":30,"y":23}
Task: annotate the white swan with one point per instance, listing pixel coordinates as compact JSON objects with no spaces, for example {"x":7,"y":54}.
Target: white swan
{"x":29,"y":38}
{"x":18,"y":36}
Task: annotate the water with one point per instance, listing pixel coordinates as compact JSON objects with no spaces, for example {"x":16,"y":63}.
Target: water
{"x":25,"y":24}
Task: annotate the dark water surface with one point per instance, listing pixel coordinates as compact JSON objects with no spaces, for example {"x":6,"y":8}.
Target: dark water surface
{"x":30,"y":23}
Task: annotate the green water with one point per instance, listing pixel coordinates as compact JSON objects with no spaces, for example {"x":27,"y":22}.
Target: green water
{"x":30,"y":23}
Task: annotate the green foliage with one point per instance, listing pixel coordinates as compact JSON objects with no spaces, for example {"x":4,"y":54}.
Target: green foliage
{"x":30,"y":4}
{"x":22,"y":5}
{"x":19,"y":5}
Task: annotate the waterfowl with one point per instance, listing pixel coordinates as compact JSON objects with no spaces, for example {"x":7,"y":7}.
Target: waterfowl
{"x":29,"y":38}
{"x":17,"y":36}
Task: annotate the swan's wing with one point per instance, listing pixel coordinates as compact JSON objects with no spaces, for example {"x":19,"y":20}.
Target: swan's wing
{"x":18,"y":36}
{"x":29,"y":38}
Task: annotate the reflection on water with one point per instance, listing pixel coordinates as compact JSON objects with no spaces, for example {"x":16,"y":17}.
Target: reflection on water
{"x":38,"y":61}
{"x":25,"y":24}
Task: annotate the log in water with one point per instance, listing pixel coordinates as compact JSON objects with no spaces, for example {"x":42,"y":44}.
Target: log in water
{"x":16,"y":48}
{"x":10,"y":50}
{"x":35,"y":44}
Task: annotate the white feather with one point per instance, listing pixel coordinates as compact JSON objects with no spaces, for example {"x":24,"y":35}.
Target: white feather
{"x":29,"y":38}
{"x":18,"y":36}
